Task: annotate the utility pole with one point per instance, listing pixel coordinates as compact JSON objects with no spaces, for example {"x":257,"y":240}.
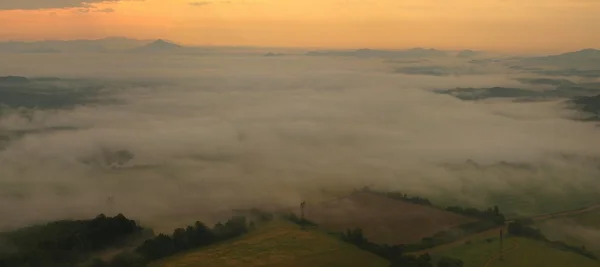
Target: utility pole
{"x":302,"y":213}
{"x":501,"y":245}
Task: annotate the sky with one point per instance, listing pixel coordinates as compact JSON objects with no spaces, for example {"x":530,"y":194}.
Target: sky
{"x":503,"y":25}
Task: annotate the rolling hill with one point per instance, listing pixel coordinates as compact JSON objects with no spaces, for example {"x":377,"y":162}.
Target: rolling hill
{"x":158,"y":46}
{"x":277,"y":243}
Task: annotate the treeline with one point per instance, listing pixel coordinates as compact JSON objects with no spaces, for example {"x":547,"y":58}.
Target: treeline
{"x":400,"y":196}
{"x":490,"y":214}
{"x":395,"y":254}
{"x":522,"y":228}
{"x":411,"y":199}
{"x":71,"y":243}
{"x":196,"y":236}
{"x":64,"y":243}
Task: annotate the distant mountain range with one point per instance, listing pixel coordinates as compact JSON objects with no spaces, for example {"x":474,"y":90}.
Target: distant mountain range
{"x":582,"y":56}
{"x":368,"y":53}
{"x":58,"y":46}
{"x":123,"y":44}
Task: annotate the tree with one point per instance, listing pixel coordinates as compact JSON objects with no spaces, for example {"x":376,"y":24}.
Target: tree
{"x":450,"y":262}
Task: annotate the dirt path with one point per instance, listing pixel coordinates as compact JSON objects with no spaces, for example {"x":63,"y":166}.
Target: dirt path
{"x":496,"y":231}
{"x":492,"y":259}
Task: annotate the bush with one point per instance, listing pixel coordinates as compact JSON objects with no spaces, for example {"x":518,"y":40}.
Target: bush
{"x":450,"y":262}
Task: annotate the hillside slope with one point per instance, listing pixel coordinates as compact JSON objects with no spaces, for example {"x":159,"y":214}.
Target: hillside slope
{"x":277,"y":244}
{"x":519,"y":252}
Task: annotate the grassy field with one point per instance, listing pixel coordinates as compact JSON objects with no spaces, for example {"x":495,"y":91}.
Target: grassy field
{"x":580,"y":229}
{"x":532,"y":203}
{"x":277,"y":244}
{"x":523,"y":253}
{"x":382,"y":219}
{"x":518,"y":203}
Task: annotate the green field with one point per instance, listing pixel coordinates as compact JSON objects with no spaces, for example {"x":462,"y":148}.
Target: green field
{"x":523,"y":253}
{"x":536,"y":203}
{"x":277,"y":244}
{"x":528,"y":202}
{"x":579,"y":229}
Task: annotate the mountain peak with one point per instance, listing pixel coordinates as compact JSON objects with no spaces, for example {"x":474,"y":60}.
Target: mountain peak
{"x":159,"y":45}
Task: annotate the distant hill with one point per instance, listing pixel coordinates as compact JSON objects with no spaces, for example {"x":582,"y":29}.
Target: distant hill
{"x":277,"y":244}
{"x":271,"y":54}
{"x":42,"y":51}
{"x":582,"y":56}
{"x":56,"y":46}
{"x":367,"y":53}
{"x":13,"y":79}
{"x":467,"y":53}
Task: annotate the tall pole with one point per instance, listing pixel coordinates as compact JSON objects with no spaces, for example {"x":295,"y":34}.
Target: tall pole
{"x":501,"y":245}
{"x":302,"y":213}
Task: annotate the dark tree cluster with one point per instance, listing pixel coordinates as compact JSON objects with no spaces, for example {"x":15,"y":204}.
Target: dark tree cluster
{"x":401,"y":196}
{"x":195,"y":236}
{"x":411,"y":199}
{"x":490,"y":214}
{"x":63,"y":243}
{"x":522,"y":228}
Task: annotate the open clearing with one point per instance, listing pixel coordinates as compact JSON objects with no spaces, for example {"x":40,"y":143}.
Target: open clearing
{"x":524,"y":253}
{"x":277,"y":244}
{"x":383,"y":220}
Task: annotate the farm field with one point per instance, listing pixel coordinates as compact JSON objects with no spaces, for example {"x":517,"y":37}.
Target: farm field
{"x":578,"y":229}
{"x":518,"y":203}
{"x":383,"y":220}
{"x":277,"y":244}
{"x":519,"y":252}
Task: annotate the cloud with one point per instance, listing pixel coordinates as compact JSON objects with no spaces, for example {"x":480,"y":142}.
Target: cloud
{"x":50,"y":4}
{"x":204,"y":3}
{"x":106,"y":10}
{"x":200,"y":3}
{"x":213,"y":133}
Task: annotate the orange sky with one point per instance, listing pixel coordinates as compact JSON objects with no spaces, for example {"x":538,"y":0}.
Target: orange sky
{"x":505,"y":25}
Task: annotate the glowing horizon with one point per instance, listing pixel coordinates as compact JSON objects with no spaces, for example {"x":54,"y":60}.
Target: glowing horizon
{"x":495,"y":25}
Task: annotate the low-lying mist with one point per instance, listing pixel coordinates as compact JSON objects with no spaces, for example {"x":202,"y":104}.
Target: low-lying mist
{"x":204,"y":135}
